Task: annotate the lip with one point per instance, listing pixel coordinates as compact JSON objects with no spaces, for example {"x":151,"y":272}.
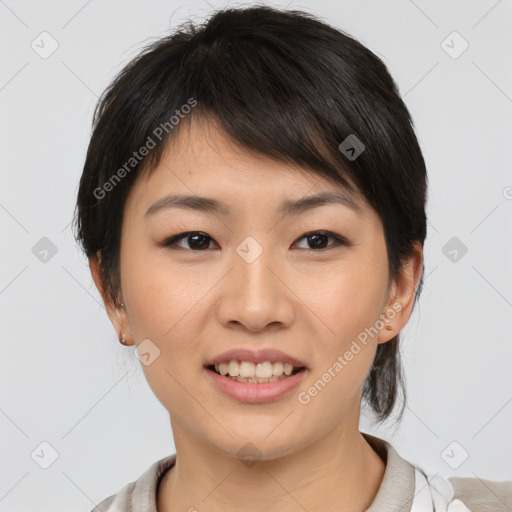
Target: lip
{"x":256,"y":356}
{"x":253,"y":392}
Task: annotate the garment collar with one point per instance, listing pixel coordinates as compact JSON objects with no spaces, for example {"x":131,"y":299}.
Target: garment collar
{"x":395,"y":494}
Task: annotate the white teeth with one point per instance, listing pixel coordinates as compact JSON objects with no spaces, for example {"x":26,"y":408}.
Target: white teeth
{"x":234,"y":368}
{"x":264,"y":370}
{"x":247,"y":371}
{"x":277,"y":369}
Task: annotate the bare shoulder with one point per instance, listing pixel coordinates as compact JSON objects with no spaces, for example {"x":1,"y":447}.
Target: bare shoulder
{"x":483,"y":495}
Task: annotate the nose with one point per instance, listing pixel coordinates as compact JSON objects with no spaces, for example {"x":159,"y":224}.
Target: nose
{"x":256,"y":296}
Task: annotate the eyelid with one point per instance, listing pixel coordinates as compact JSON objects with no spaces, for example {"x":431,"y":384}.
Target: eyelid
{"x":170,"y":242}
{"x":339,"y":240}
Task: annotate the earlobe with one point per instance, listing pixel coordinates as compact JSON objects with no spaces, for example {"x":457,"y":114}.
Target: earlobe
{"x":392,"y":323}
{"x":116,"y":315}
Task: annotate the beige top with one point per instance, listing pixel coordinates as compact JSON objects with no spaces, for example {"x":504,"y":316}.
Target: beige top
{"x":397,"y":492}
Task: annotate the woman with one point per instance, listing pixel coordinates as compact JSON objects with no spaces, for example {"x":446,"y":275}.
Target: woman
{"x":253,"y":209}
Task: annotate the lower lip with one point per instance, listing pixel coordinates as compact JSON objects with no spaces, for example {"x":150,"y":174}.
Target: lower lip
{"x":254,"y":392}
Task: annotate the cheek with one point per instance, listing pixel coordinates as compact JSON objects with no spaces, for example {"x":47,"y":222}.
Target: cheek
{"x":162,"y":296}
{"x":349,"y":306}
{"x":347,"y":298}
{"x":348,"y":302}
{"x":166,"y":307}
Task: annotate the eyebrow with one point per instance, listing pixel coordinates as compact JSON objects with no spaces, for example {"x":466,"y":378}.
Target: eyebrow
{"x":289,"y":207}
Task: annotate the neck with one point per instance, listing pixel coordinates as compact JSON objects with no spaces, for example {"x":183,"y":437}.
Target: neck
{"x":339,"y":472}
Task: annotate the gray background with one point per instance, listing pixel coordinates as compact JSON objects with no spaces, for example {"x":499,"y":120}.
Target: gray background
{"x":65,"y":379}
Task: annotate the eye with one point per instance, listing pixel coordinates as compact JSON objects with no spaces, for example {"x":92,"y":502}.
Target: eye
{"x":196,"y":240}
{"x":318,"y":240}
{"x":199,"y":241}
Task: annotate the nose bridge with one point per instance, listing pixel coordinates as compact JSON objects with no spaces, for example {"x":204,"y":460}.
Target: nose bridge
{"x":255,"y":297}
{"x":254,"y":279}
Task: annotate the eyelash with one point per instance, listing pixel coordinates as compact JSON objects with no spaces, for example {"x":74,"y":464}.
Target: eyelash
{"x":171,"y":242}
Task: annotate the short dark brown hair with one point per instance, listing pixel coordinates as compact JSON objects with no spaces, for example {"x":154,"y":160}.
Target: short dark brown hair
{"x":282,"y":83}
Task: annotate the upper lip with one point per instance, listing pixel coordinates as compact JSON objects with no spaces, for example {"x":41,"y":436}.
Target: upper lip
{"x":256,"y":356}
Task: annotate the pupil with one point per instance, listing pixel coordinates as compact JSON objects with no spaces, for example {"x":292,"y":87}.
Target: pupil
{"x":203,"y":237}
{"x":316,"y":237}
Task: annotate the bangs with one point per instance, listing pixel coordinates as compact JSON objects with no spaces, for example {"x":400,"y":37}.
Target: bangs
{"x":248,"y":82}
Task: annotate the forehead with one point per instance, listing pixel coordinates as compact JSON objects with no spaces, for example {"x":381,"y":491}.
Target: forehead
{"x":203,"y":160}
{"x":202,"y":146}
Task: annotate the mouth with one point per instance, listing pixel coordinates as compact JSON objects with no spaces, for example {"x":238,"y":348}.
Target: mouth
{"x":248,"y":387}
{"x":249,"y":376}
{"x":255,"y":373}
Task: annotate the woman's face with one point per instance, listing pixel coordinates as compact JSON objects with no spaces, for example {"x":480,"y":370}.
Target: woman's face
{"x":253,"y":279}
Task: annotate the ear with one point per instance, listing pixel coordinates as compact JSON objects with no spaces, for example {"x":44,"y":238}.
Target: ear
{"x":401,"y":295}
{"x":118,"y":315}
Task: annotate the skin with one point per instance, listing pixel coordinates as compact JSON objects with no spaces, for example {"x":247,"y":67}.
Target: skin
{"x":310,"y":303}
